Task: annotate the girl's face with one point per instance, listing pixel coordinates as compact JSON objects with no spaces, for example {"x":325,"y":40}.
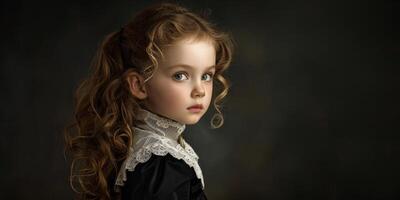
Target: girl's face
{"x":184,"y":79}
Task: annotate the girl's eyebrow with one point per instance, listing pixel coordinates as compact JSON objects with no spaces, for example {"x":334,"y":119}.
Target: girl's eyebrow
{"x":188,"y":66}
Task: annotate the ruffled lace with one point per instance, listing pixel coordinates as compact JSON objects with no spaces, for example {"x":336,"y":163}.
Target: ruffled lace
{"x":155,"y":139}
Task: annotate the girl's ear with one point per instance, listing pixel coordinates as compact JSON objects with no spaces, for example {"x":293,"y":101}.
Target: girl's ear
{"x":136,"y":85}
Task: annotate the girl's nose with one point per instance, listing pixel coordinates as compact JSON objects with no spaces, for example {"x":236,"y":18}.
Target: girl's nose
{"x":198,"y":90}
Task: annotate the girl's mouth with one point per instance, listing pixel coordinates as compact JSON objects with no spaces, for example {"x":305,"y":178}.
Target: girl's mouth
{"x":196,"y":106}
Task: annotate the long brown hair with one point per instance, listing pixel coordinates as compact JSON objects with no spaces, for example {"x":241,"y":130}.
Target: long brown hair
{"x":100,"y":135}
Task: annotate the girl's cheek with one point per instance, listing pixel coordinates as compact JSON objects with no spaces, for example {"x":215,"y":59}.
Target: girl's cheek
{"x":209,"y":94}
{"x":209,"y":88}
{"x":175,"y":91}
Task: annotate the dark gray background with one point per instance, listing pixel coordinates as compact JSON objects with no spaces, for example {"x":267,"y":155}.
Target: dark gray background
{"x":311,"y":112}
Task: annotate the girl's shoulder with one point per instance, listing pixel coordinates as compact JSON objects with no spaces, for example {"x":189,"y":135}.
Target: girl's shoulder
{"x":162,"y":177}
{"x":165,"y":168}
{"x":150,"y":152}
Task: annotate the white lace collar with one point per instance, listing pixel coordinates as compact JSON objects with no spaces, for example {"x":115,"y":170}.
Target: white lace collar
{"x":155,"y":134}
{"x":147,"y":120}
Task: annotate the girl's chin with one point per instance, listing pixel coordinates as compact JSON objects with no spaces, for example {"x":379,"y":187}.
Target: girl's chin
{"x":191,"y":120}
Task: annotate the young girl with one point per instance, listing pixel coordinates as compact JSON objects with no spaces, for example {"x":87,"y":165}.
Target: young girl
{"x":149,"y":79}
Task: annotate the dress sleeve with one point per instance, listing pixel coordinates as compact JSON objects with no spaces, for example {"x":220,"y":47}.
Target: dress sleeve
{"x":162,"y":177}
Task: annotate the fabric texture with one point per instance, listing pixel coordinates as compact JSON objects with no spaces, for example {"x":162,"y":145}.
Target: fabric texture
{"x":163,"y":177}
{"x":157,"y":166}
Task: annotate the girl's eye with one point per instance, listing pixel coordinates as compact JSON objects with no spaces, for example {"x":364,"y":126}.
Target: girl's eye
{"x":180,"y":76}
{"x":207,"y":77}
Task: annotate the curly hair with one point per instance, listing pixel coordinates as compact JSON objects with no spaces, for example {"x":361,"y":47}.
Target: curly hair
{"x":100,"y":134}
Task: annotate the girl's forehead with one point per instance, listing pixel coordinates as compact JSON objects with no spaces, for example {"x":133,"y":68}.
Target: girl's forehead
{"x":189,"y":42}
{"x":194,"y":53}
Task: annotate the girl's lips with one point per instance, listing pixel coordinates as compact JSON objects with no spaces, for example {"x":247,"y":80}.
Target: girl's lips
{"x":197,"y":106}
{"x":195,"y":110}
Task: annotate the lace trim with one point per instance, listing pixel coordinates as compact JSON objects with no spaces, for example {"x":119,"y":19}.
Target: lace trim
{"x":160,"y":125}
{"x":157,"y":145}
{"x":161,"y":121}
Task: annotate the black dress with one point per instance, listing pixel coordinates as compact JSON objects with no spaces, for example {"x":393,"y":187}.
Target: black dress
{"x":162,"y":177}
{"x":160,"y":164}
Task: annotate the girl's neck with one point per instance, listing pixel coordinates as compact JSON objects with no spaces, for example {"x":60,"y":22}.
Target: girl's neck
{"x":161,"y":125}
